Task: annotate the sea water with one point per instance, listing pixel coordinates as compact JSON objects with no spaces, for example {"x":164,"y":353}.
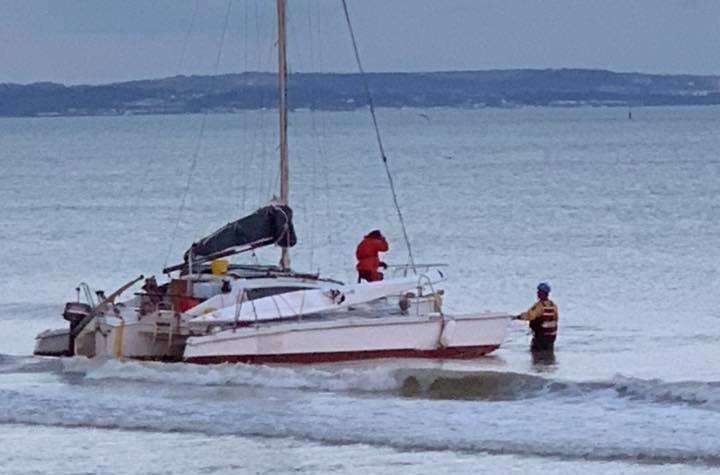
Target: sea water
{"x":621,"y":216}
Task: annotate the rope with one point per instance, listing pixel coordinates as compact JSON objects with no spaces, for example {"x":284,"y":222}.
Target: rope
{"x":371,"y":106}
{"x":201,"y":135}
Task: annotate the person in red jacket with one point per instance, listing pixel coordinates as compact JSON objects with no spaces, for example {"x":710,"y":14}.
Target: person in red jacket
{"x":367,"y":256}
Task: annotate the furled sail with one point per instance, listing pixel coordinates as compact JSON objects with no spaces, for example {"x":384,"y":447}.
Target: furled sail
{"x":269,"y":225}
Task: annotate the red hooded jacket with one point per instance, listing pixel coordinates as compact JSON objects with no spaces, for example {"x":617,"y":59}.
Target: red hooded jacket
{"x":367,"y":252}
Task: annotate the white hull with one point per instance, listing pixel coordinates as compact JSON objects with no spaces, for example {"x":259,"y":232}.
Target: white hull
{"x":342,"y":339}
{"x":330,"y":323}
{"x":133,"y":341}
{"x":53,"y":343}
{"x":153,"y":338}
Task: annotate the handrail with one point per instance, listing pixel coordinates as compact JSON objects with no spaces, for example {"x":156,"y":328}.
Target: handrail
{"x":238,"y":307}
{"x":240,"y":299}
{"x":88,"y":293}
{"x":399,"y":266}
{"x":432,"y":289}
{"x":405,"y":268}
{"x":96,"y":309}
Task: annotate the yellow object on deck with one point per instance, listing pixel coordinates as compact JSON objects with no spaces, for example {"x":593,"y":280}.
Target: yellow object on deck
{"x":219,"y":266}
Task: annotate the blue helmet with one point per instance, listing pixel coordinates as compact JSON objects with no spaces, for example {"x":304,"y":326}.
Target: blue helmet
{"x":544,"y":287}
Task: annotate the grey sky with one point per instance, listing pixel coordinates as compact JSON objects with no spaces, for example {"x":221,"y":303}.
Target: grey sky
{"x":94,"y":41}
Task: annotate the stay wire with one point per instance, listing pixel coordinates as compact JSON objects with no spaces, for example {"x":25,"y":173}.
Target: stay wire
{"x":313,"y":189}
{"x":316,"y":55}
{"x":201,"y":135}
{"x":147,"y":174}
{"x":371,"y":106}
{"x":240,"y":179}
{"x":188,"y":33}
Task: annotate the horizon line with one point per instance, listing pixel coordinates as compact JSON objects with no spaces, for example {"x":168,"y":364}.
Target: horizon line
{"x":369,"y":73}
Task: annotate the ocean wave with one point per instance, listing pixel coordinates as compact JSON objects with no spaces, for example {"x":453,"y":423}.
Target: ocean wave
{"x":704,"y":394}
{"x":476,"y":385}
{"x":27,"y":364}
{"x":7,"y":362}
{"x":544,"y":449}
{"x":428,"y":383}
{"x":193,"y":399}
{"x":334,"y":379}
{"x":508,"y":386}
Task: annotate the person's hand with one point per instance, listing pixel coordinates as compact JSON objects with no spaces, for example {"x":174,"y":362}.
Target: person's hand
{"x":517,"y":317}
{"x":383,"y":265}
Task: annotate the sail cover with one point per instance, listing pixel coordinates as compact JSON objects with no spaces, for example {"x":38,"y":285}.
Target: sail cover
{"x":269,"y":225}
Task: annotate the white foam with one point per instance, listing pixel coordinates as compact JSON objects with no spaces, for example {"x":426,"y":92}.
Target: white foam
{"x":390,"y":377}
{"x":695,"y":393}
{"x":328,"y":379}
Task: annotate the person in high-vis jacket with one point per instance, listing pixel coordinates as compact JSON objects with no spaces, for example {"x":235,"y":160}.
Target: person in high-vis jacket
{"x":543,"y":318}
{"x":368,"y":257}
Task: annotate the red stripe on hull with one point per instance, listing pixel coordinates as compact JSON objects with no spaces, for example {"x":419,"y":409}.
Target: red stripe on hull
{"x":464,"y":352}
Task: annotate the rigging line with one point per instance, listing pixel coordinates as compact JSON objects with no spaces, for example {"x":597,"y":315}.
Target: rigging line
{"x":256,"y":114}
{"x":201,"y":135}
{"x":146,"y":175}
{"x":240,"y":177}
{"x":313,"y":189}
{"x":266,"y":178}
{"x":253,"y":153}
{"x":313,"y":215}
{"x":189,"y":31}
{"x":371,"y":106}
{"x":320,"y":137}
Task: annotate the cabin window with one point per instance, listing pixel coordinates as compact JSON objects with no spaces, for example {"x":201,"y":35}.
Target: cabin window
{"x":254,"y":294}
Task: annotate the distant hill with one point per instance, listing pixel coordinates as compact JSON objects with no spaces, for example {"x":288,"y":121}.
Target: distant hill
{"x":330,"y":91}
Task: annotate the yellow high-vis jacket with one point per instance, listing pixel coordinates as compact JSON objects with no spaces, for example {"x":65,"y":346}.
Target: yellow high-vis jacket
{"x":543,"y":318}
{"x":541,"y":308}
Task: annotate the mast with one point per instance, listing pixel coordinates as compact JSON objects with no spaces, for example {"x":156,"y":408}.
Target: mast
{"x":282,"y":108}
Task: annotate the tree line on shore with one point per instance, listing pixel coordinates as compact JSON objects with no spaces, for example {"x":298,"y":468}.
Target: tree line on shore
{"x":334,"y":91}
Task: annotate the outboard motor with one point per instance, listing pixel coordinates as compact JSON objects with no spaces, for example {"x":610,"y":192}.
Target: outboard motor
{"x":75,"y":312}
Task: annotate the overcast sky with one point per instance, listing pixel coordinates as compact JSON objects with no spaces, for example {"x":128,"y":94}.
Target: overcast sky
{"x":96,"y":41}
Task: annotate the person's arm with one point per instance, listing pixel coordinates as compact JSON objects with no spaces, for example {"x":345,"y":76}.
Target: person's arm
{"x":383,"y":245}
{"x":533,"y":312}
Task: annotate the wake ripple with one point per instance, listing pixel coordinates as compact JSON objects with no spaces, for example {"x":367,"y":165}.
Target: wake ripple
{"x":165,"y":399}
{"x":28,"y":364}
{"x":570,"y":452}
{"x":377,"y":379}
{"x":425,"y":383}
{"x":509,"y":386}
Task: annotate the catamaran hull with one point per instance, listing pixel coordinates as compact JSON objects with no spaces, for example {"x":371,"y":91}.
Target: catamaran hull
{"x":320,"y":342}
{"x":136,"y":340}
{"x":53,"y":343}
{"x":334,"y":357}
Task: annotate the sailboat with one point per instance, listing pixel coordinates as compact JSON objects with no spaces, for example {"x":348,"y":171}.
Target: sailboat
{"x":212,"y":311}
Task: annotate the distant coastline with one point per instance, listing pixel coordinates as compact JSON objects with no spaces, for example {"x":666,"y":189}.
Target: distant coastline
{"x":334,"y":91}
